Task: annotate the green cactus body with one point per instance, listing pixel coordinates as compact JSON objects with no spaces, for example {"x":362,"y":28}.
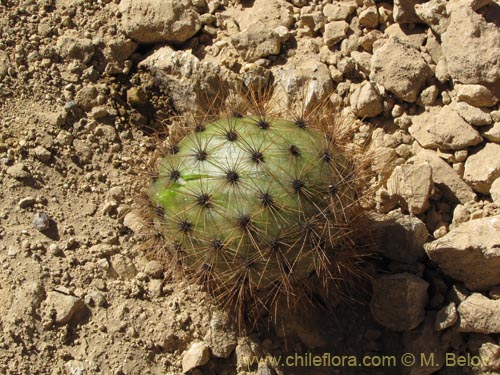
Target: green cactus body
{"x":254,"y":200}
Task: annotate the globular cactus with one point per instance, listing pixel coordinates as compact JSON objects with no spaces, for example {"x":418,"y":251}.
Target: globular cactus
{"x":257,"y":207}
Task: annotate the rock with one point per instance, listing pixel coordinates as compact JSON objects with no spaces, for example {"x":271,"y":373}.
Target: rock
{"x":117,"y":50}
{"x":428,"y":96}
{"x":404,"y":11}
{"x":313,"y":21}
{"x":64,"y":138}
{"x":86,"y":97}
{"x":133,"y":221}
{"x":399,"y":68}
{"x":470,"y":253}
{"x":414,"y":36}
{"x":335,"y":31}
{"x":479,"y":314}
{"x":41,"y":221}
{"x":495,"y":191}
{"x":423,"y":342}
{"x":366,"y":100}
{"x":493,"y":133}
{"x":369,"y":17}
{"x":307,"y":82}
{"x":363,"y":61}
{"x":446,"y":317}
{"x":67,"y":308}
{"x":443,"y":128}
{"x":116,"y":193}
{"x":83,"y":151}
{"x":400,"y":237}
{"x":71,"y":45}
{"x":399,"y":300}
{"x":155,"y":21}
{"x":483,"y":167}
{"x":27,"y":298}
{"x":18,"y":171}
{"x":366,"y":41}
{"x":185,"y":79}
{"x":474,"y":116}
{"x":42,"y":154}
{"x":256,"y":42}
{"x":221,"y":337}
{"x":413,"y":185}
{"x":74,"y":367}
{"x":339,"y":11}
{"x":384,"y":161}
{"x":123,"y":266}
{"x":4,"y":64}
{"x":476,"y":95}
{"x":154,"y":269}
{"x":26,"y":202}
{"x":489,"y":354}
{"x":467,"y":33}
{"x":454,"y":189}
{"x":197,"y":355}
{"x":271,"y":13}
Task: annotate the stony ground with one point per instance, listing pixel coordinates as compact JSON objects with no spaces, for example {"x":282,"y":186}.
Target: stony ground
{"x":83,"y":85}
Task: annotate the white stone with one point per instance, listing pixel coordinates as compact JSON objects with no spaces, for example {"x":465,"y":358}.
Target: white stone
{"x":470,"y":253}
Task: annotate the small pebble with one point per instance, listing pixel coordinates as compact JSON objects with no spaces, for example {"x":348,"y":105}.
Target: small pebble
{"x":41,"y":221}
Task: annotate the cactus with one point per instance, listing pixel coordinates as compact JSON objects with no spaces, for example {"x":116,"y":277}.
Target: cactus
{"x":257,"y":206}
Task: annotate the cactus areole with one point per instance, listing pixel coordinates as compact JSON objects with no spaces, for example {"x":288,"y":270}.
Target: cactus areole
{"x":254,"y":201}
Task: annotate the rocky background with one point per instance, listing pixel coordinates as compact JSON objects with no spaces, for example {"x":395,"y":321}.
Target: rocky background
{"x":84,"y":83}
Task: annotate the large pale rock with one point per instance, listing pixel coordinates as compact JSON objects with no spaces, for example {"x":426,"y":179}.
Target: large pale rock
{"x":154,"y":21}
{"x":366,"y":100}
{"x":335,"y":31}
{"x":479,"y":314}
{"x":308,"y":78}
{"x":476,"y":95}
{"x":414,"y":36}
{"x":398,"y":301}
{"x":412,"y":184}
{"x":474,"y":116}
{"x":470,"y":253}
{"x":443,"y":128}
{"x":471,"y":46}
{"x":483,"y":167}
{"x":270,"y":13}
{"x":495,"y":191}
{"x":404,"y":11}
{"x":493,"y":133}
{"x":256,"y":42}
{"x":339,"y":11}
{"x":67,"y":307}
{"x":434,"y":14}
{"x":454,"y":189}
{"x":188,"y":81}
{"x":197,"y":355}
{"x":400,"y":68}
